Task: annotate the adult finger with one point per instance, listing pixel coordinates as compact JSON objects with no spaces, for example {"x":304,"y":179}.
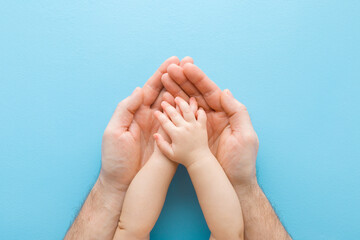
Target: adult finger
{"x":172,"y":87}
{"x":176,"y":73}
{"x":153,"y":86}
{"x":209,"y":90}
{"x":193,"y":105}
{"x":157,"y":104}
{"x":185,"y":109}
{"x":124,"y":112}
{"x":169,"y":98}
{"x":174,"y":115}
{"x":135,"y":130}
{"x":185,"y":60}
{"x":238,"y":115}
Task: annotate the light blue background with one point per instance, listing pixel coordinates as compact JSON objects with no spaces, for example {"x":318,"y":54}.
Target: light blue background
{"x":64,"y":65}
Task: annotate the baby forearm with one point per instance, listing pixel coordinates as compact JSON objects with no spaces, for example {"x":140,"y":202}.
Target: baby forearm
{"x":189,"y":146}
{"x":217,"y":198}
{"x":145,"y":198}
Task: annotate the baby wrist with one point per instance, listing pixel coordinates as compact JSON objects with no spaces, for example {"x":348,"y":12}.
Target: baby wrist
{"x":199,"y":158}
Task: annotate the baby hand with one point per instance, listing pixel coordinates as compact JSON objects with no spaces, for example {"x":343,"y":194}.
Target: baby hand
{"x":187,"y":132}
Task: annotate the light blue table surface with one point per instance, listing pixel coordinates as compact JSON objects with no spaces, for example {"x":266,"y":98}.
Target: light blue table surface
{"x":64,"y":66}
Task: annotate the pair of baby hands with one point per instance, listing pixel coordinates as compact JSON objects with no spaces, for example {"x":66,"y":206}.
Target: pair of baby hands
{"x":185,"y":127}
{"x":182,"y":139}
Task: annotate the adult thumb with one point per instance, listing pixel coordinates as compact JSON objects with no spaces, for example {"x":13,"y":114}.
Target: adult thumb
{"x":126,"y":109}
{"x":236,"y":111}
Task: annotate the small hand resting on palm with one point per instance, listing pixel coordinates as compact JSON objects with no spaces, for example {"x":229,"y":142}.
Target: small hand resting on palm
{"x":188,"y":145}
{"x":218,"y":147}
{"x":181,"y":139}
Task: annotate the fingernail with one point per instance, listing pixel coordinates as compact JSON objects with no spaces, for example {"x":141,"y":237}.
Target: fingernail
{"x":188,"y":63}
{"x":164,"y":76}
{"x":227,"y":91}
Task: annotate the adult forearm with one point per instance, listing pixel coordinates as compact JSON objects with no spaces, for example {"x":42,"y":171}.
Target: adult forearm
{"x":260,"y":219}
{"x":99,"y":215}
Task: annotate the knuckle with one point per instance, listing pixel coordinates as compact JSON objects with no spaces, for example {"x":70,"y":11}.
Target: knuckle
{"x":121,"y":103}
{"x":119,"y":107}
{"x":161,"y":117}
{"x":242,"y":107}
{"x":164,"y":121}
{"x":188,"y":127}
{"x":186,"y":109}
{"x":109,"y":133}
{"x":251,"y":139}
{"x":173,"y":114}
{"x":199,"y":125}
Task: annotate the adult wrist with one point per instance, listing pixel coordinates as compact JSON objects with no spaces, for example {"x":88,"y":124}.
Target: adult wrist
{"x":111,"y":197}
{"x":245,"y":189}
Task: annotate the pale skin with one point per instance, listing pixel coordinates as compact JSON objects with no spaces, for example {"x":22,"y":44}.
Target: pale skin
{"x":188,"y":146}
{"x":228,"y":122}
{"x":127,"y":145}
{"x":145,"y":198}
{"x":146,"y":194}
{"x":234,"y":143}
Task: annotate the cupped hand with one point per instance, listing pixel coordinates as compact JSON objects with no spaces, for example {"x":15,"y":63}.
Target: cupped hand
{"x":127,"y":140}
{"x":238,"y":143}
{"x":232,"y":138}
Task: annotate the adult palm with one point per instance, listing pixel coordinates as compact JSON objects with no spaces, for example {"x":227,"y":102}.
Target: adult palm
{"x":144,"y":119}
{"x":127,"y":140}
{"x":232,"y":138}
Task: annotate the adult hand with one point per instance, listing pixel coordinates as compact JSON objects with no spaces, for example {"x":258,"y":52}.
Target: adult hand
{"x":127,"y":144}
{"x":234,"y":142}
{"x":128,"y":139}
{"x":232,"y":138}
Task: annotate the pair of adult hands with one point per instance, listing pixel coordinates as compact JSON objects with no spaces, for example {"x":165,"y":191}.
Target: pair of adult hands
{"x":128,"y":139}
